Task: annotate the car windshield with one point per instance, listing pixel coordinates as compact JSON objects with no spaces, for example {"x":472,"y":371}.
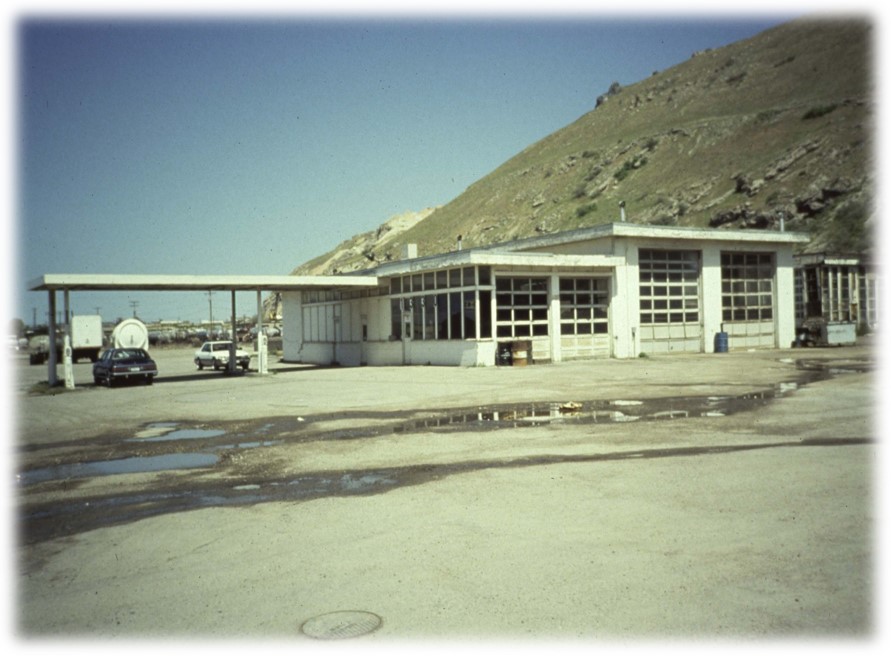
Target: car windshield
{"x":221,"y":346}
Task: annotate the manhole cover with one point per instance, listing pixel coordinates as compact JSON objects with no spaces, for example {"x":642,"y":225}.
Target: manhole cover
{"x":341,"y":625}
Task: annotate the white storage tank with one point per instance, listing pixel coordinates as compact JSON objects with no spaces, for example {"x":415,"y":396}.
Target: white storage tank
{"x":130,"y":333}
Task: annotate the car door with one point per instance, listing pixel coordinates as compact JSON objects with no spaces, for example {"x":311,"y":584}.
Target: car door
{"x":105,"y":364}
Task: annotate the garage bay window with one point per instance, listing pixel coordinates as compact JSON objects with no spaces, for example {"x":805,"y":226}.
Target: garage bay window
{"x":583,"y":306}
{"x":521,"y":306}
{"x":669,"y":287}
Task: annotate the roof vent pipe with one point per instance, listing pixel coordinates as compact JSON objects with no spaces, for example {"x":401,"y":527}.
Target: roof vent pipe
{"x":782,"y":222}
{"x":622,"y":210}
{"x":459,"y":242}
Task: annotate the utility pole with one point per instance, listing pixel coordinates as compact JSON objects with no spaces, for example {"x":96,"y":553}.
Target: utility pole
{"x":210,"y":303}
{"x":134,"y":305}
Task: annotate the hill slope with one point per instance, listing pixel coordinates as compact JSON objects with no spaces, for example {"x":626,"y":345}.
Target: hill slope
{"x":779,"y":125}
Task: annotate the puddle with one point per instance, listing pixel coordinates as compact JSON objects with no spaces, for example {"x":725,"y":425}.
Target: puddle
{"x":253,"y":444}
{"x":135,"y":465}
{"x":54,"y":519}
{"x":156,"y":429}
{"x":498,"y":417}
{"x":517,"y":416}
{"x":164,"y":432}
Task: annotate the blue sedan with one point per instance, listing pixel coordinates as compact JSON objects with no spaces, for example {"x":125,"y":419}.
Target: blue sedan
{"x":119,"y":364}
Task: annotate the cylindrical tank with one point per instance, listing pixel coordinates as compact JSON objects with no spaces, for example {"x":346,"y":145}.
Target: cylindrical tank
{"x":520,"y":353}
{"x":722,"y":343}
{"x":130,"y":333}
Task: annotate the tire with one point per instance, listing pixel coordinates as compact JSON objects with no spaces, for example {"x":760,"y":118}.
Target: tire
{"x":149,"y":380}
{"x":216,"y":364}
{"x":200,"y":365}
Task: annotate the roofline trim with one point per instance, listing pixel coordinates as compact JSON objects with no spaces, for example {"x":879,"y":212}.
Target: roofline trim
{"x":161,"y":282}
{"x":493,"y":258}
{"x":659,"y":232}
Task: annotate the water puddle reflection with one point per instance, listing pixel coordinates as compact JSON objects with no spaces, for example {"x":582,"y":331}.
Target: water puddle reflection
{"x":135,"y":465}
{"x":52,"y":519}
{"x":166,"y":431}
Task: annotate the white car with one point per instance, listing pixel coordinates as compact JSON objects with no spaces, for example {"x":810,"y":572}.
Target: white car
{"x":216,"y":355}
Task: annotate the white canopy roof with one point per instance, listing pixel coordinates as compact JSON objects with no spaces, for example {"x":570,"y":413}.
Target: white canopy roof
{"x":153,"y":282}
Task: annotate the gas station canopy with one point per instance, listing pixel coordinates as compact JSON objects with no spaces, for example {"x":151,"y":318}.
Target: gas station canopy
{"x":117,"y":282}
{"x":67,"y":282}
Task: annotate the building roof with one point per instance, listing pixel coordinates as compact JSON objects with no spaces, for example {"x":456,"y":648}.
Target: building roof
{"x":519,"y":252}
{"x":641,"y":231}
{"x":481,"y":257}
{"x":514,"y":253}
{"x":834,"y":259}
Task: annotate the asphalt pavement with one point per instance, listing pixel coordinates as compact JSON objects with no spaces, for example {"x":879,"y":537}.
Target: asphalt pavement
{"x":686,"y":522}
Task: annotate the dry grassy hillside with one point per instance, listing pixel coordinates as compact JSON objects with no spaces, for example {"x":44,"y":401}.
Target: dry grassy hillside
{"x":779,"y":125}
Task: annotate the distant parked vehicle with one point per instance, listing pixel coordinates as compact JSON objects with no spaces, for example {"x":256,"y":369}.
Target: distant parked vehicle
{"x":216,"y":355}
{"x":117,"y":364}
{"x":86,"y":337}
{"x":38,"y":348}
{"x":86,"y":341}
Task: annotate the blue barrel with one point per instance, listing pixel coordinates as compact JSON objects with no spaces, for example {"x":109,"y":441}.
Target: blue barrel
{"x":722,"y":343}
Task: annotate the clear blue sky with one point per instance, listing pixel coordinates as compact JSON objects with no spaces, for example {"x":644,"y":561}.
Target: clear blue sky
{"x":250,"y":145}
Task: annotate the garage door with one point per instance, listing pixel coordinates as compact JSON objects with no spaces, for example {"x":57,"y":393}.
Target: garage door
{"x":670,"y":320}
{"x":747,"y":299}
{"x":584,"y":318}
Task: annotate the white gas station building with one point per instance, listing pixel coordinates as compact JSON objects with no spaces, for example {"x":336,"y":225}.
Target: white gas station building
{"x":611,"y":291}
{"x":615,"y":290}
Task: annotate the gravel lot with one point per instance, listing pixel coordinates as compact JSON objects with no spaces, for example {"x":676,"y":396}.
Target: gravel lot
{"x":340,"y":489}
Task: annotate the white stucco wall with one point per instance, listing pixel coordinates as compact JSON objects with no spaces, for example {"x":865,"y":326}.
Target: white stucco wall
{"x":785,"y":297}
{"x":710,"y":294}
{"x":292,"y":324}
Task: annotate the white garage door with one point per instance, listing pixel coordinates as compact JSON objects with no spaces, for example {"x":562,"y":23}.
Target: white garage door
{"x":747,"y":299}
{"x":670,"y":320}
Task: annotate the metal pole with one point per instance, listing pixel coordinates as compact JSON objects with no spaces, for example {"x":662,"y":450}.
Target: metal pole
{"x":51,"y":360}
{"x":262,"y":365}
{"x":67,"y":368}
{"x":210,"y":303}
{"x":232,"y":345}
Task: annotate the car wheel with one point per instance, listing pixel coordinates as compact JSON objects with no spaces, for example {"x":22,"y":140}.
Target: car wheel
{"x":109,"y":380}
{"x":216,"y":364}
{"x":97,"y":380}
{"x":200,"y":365}
{"x":149,"y":380}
